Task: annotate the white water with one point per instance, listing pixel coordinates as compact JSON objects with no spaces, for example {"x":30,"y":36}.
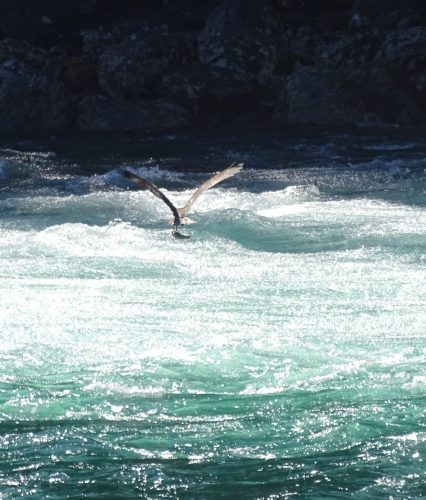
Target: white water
{"x":261,"y":271}
{"x":289,"y":330}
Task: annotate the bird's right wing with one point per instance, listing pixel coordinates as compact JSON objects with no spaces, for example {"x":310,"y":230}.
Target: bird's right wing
{"x":145,"y":184}
{"x":219,"y":177}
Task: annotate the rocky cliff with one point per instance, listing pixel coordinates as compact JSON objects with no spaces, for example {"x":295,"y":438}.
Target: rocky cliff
{"x":165,"y":64}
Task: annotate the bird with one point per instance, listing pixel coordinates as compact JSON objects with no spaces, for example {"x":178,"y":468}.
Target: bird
{"x":180,"y":214}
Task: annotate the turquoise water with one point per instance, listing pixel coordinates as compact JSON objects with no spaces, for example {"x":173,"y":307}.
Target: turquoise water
{"x":279,"y":352}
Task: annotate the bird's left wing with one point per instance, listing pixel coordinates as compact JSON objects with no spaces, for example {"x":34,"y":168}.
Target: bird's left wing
{"x":145,"y":184}
{"x":209,"y":183}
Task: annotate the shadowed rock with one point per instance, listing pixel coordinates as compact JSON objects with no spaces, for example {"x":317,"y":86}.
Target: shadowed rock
{"x":132,"y":69}
{"x":245,"y":37}
{"x":100,"y":113}
{"x":31,"y":97}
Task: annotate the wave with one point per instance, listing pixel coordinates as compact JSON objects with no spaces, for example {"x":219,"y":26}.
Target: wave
{"x":394,"y":179}
{"x":294,"y":220}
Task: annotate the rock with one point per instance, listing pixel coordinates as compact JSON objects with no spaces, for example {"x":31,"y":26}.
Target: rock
{"x":79,"y":75}
{"x":245,"y":37}
{"x":385,"y":15}
{"x":149,"y":23}
{"x":329,"y":96}
{"x":45,"y":22}
{"x":404,"y":50}
{"x":152,"y":64}
{"x":403,"y":55}
{"x":11,"y":49}
{"x":177,"y":17}
{"x":376,"y":93}
{"x":100,"y":113}
{"x":336,"y":49}
{"x":419,"y":81}
{"x":201,"y":83}
{"x":132,"y":69}
{"x":108,"y":11}
{"x":301,"y":44}
{"x":315,"y":96}
{"x":343,"y":51}
{"x":95,"y":41}
{"x":30,"y":96}
{"x":193,"y":17}
{"x":311,"y":8}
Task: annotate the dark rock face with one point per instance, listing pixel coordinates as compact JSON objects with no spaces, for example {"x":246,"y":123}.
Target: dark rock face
{"x":404,"y":51}
{"x":79,"y":75}
{"x":311,"y":7}
{"x":243,"y":36}
{"x":162,"y":64}
{"x":99,"y":113}
{"x":31,"y":97}
{"x":45,"y":22}
{"x":316,"y":96}
{"x":132,"y":69}
{"x":385,"y":15}
{"x":201,"y":83}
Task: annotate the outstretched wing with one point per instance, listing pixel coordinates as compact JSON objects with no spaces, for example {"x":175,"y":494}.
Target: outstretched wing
{"x":219,"y":177}
{"x":145,"y":184}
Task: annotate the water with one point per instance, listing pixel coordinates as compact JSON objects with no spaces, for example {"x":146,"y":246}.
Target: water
{"x":279,"y":352}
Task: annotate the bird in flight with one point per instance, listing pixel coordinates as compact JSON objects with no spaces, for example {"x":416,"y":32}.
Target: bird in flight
{"x":180,"y":214}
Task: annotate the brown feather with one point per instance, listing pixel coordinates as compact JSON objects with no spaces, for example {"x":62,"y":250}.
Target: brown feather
{"x":145,"y":184}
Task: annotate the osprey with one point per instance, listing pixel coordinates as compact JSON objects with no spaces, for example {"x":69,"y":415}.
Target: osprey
{"x":180,"y":214}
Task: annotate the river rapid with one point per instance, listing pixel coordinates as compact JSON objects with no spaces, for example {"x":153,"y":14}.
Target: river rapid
{"x":280,"y":351}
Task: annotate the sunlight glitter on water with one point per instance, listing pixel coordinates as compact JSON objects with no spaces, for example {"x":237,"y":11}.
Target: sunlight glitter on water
{"x":282,"y":345}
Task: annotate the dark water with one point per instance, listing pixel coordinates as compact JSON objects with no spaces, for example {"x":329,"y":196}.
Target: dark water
{"x":278,"y":352}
